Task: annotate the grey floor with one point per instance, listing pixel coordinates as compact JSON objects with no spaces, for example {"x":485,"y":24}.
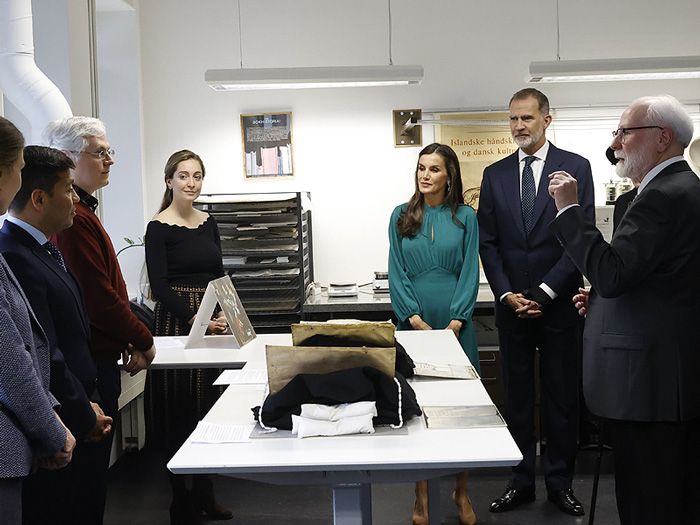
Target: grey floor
{"x":139,"y":494}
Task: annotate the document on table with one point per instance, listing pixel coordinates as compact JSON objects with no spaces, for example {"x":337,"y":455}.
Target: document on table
{"x":214,"y":433}
{"x":442,"y":370}
{"x":462,"y":416}
{"x":163,"y":343}
{"x":242,"y":377}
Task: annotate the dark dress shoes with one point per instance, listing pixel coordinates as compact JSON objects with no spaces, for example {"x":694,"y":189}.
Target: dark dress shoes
{"x":566,"y":501}
{"x":512,"y":498}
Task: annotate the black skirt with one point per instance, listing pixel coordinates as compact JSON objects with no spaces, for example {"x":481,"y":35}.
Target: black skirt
{"x":177,"y":399}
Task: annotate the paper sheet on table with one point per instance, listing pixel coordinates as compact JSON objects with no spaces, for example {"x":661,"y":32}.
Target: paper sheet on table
{"x":445,"y":370}
{"x":214,"y":433}
{"x":242,"y":377}
{"x":167,"y":342}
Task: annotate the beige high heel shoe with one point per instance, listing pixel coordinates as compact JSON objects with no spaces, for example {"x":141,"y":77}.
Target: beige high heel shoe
{"x":465,"y":511}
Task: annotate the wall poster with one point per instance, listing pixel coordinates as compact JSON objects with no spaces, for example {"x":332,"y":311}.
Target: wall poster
{"x":267,"y":144}
{"x":477,"y":145}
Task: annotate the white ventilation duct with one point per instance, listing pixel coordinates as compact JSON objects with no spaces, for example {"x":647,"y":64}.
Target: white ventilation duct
{"x":22,"y":82}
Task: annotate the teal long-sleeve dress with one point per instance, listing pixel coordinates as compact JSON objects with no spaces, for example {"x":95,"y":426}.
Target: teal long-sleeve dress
{"x":436,"y":273}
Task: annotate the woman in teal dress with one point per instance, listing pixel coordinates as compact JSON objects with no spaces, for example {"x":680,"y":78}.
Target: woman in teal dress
{"x":434,"y":272}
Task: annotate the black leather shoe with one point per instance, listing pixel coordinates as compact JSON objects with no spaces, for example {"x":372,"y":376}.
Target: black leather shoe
{"x":512,"y":498}
{"x":566,"y":501}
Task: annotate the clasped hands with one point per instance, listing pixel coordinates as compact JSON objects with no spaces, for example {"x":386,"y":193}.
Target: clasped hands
{"x":218,"y":326}
{"x":417,"y":323}
{"x":524,"y":308}
{"x":103,"y":425}
{"x":61,"y":458}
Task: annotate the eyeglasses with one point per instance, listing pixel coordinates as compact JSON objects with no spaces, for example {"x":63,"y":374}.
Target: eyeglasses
{"x":623,"y":132}
{"x":101,"y":154}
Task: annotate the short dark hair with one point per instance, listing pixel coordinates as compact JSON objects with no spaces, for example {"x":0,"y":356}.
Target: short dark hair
{"x":42,"y":169}
{"x":542,"y":100}
{"x":11,"y":143}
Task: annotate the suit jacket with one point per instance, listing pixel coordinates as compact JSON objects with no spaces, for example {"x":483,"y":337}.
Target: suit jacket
{"x":28,"y":423}
{"x":621,"y":204}
{"x":641,"y":358}
{"x":515,"y":262}
{"x":55,"y":297}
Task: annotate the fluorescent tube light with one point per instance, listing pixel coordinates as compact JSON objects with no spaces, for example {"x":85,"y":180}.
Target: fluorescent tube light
{"x":656,"y":68}
{"x":312,"y":77}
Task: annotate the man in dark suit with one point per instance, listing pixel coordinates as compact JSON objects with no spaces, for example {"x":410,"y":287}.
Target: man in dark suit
{"x":44,"y":205}
{"x":641,"y":359}
{"x":533,"y":281}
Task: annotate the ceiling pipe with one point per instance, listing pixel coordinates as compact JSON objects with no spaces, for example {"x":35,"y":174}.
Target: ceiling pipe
{"x":21,"y":80}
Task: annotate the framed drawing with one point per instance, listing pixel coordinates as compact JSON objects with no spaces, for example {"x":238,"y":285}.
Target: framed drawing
{"x":267,"y":144}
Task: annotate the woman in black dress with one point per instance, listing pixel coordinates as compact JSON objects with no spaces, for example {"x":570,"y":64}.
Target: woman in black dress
{"x":183,"y":253}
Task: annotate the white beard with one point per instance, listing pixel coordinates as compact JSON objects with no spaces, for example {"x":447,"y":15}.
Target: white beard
{"x":526,"y":142}
{"x":635,"y":166}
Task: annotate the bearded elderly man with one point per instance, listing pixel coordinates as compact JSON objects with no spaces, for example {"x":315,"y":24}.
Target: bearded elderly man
{"x":641,"y":360}
{"x":533,"y":281}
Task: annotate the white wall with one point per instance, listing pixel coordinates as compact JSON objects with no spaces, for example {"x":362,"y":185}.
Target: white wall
{"x":119,"y":83}
{"x":475,"y":55}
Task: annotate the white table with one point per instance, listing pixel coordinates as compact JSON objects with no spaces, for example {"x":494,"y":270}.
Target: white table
{"x":218,"y":353}
{"x":352,"y":463}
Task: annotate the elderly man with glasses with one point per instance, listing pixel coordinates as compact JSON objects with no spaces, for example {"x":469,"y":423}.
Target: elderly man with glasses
{"x":641,"y":355}
{"x":88,"y":251}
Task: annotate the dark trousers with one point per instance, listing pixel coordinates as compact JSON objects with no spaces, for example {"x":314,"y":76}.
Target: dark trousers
{"x":656,"y":468}
{"x":11,"y":501}
{"x":75,"y":495}
{"x":559,"y":353}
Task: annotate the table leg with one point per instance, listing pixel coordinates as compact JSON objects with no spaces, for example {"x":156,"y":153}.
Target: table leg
{"x":434,"y":501}
{"x":352,"y":504}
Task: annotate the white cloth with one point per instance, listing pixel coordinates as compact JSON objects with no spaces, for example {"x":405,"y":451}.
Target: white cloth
{"x":305,"y":427}
{"x":338,"y":412}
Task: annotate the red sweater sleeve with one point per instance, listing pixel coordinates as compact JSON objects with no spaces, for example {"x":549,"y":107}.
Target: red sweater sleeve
{"x":89,"y":253}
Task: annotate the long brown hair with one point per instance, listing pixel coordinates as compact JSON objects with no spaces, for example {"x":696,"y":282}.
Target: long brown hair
{"x":411,"y":219}
{"x":11,"y":143}
{"x":170,"y":167}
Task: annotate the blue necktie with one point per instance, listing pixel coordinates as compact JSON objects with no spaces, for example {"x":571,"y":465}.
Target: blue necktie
{"x":528,"y":194}
{"x":55,"y":253}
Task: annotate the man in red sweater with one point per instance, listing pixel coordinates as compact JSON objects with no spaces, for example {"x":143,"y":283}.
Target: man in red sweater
{"x":88,"y":251}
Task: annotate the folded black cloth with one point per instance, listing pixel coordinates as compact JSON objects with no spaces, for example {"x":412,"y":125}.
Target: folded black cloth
{"x":404,"y":363}
{"x":344,"y":386}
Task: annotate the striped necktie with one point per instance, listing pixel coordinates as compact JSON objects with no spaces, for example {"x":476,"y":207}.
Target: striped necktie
{"x":528,"y":194}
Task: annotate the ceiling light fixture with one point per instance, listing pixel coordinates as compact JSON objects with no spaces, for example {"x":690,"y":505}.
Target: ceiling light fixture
{"x":312,"y":77}
{"x":246,"y":79}
{"x":612,"y":69}
{"x":601,"y":70}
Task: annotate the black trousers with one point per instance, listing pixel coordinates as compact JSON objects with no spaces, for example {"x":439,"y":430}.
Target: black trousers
{"x":11,"y":501}
{"x":75,"y":495}
{"x":656,"y":469}
{"x":559,"y":352}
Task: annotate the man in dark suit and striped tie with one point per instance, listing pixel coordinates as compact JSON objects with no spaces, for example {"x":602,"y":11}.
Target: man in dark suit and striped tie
{"x":533,"y":280}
